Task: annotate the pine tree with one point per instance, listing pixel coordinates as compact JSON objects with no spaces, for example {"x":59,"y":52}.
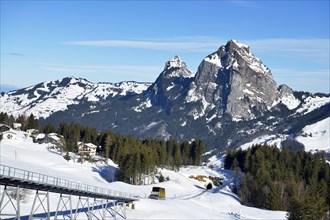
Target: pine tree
{"x":177,"y":156}
{"x":185,"y":153}
{"x":137,"y":166}
{"x":274,"y":201}
{"x":11,"y":120}
{"x":32,"y":123}
{"x":169,"y":151}
{"x":199,"y":153}
{"x":50,"y":128}
{"x":108,"y":143}
{"x":193,"y":152}
{"x":244,"y":191}
{"x":3,"y":118}
{"x":295,"y":211}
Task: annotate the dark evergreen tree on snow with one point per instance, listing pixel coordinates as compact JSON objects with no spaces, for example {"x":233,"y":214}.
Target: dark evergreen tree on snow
{"x":297,"y":182}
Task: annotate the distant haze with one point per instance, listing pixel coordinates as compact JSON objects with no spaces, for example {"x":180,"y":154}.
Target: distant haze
{"x":7,"y":88}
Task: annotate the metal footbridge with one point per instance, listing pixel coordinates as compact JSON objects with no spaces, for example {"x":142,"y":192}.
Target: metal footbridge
{"x":89,"y":198}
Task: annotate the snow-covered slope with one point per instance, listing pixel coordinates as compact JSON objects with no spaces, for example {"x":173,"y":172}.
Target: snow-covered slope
{"x":316,"y":136}
{"x":49,"y":97}
{"x":311,"y":103}
{"x":186,"y":198}
{"x":266,"y":139}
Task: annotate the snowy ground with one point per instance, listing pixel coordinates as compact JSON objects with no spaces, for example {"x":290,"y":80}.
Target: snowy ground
{"x":315,"y":137}
{"x":186,"y":197}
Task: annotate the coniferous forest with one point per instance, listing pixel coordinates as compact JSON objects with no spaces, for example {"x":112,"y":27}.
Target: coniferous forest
{"x":282,"y":180}
{"x":136,"y":158}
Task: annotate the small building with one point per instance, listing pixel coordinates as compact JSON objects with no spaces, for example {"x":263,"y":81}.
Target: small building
{"x":86,"y":149}
{"x":51,"y":138}
{"x":4,"y":127}
{"x":56,"y":139}
{"x":32,"y":132}
{"x":17,"y":126}
{"x":157,"y":193}
{"x":39,"y":138}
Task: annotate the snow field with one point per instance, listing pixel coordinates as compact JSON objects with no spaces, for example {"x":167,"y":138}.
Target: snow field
{"x":186,"y":197}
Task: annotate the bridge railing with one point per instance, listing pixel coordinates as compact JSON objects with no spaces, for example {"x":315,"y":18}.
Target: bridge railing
{"x":38,"y":178}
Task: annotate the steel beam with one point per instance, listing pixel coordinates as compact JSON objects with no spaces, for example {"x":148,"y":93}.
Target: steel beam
{"x":39,"y":203}
{"x":95,"y":202}
{"x":63,"y":206}
{"x":7,"y":204}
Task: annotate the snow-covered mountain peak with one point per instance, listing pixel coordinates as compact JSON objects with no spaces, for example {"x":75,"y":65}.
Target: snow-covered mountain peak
{"x":242,"y":56}
{"x":174,"y":62}
{"x":175,"y":67}
{"x":240,"y":45}
{"x":67,"y":81}
{"x":49,"y":97}
{"x":233,"y":78}
{"x":232,"y":47}
{"x":287,"y":97}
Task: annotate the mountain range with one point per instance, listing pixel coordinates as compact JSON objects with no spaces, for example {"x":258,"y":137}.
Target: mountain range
{"x":229,"y":101}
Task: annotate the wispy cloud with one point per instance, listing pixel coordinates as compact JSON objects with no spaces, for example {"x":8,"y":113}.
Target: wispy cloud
{"x":201,"y":43}
{"x":285,"y":73}
{"x":192,"y":44}
{"x":314,"y":80}
{"x":309,"y":48}
{"x":16,"y":54}
{"x":13,"y":54}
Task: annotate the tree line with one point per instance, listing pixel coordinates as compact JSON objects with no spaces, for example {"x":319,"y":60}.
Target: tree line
{"x":27,"y":122}
{"x":282,"y":180}
{"x":135,"y":157}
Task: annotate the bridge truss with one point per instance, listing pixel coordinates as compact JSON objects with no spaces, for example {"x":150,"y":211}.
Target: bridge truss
{"x":89,"y":202}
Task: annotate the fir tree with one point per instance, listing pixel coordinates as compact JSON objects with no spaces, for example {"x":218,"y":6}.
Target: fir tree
{"x":32,"y":123}
{"x":108,"y":143}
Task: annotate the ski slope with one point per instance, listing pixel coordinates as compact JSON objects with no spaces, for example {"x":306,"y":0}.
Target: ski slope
{"x":186,"y":197}
{"x":316,"y":136}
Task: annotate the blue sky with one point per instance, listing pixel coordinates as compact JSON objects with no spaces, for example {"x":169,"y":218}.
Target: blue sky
{"x":112,"y":41}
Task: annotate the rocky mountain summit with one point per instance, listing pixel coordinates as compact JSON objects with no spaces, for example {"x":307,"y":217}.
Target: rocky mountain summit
{"x":171,"y":81}
{"x":234,"y":81}
{"x":230,"y":100}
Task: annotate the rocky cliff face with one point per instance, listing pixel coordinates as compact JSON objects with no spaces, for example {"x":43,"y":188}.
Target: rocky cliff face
{"x":170,"y":83}
{"x":234,"y":81}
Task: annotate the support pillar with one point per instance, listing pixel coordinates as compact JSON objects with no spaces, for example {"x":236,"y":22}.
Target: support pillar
{"x":121,"y":209}
{"x":7,"y":204}
{"x":82,"y":207}
{"x":98,"y":208}
{"x":111,"y":209}
{"x":39,"y":204}
{"x":64,"y":207}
